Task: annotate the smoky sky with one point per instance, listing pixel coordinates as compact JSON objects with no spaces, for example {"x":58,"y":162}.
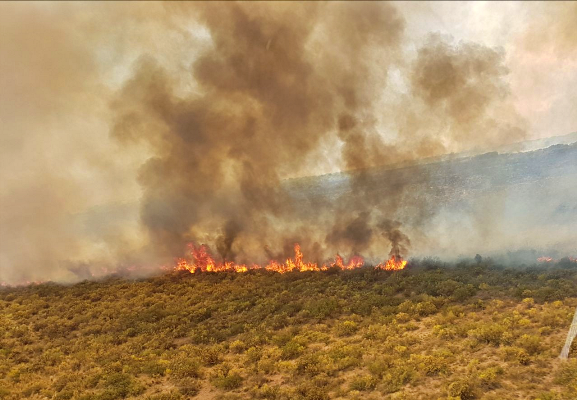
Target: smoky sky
{"x":168,"y":123}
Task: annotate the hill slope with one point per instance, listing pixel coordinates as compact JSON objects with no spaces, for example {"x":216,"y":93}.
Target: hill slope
{"x":429,"y":332}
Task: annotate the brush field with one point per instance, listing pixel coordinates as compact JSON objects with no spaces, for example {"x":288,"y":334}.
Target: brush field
{"x":433,"y":331}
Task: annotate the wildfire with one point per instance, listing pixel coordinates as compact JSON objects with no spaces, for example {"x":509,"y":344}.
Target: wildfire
{"x":552,"y":260}
{"x":201,"y":260}
{"x":395,"y":263}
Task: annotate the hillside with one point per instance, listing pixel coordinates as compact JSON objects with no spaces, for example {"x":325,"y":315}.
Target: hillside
{"x":500,"y":204}
{"x":433,"y":331}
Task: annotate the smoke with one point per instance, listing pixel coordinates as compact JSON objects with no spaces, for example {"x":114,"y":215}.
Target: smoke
{"x":174,"y":122}
{"x":266,"y":99}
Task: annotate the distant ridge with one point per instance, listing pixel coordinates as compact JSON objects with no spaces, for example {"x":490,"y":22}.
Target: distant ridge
{"x":536,"y":144}
{"x":518,"y":147}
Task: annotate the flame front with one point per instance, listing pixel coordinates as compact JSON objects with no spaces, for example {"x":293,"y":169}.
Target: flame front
{"x":395,"y":263}
{"x":201,"y":260}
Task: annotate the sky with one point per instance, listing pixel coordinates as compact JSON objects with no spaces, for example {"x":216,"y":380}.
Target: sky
{"x":72,"y":189}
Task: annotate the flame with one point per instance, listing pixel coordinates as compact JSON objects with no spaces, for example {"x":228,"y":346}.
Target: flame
{"x":395,"y":263}
{"x":354,"y":262}
{"x":550,"y":259}
{"x":201,"y":260}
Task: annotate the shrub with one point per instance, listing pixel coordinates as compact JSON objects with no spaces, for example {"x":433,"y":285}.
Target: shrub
{"x":347,"y":328}
{"x":189,"y":386}
{"x":310,"y":364}
{"x":530,"y":343}
{"x":185,"y":368}
{"x":432,"y":364}
{"x":229,"y":382}
{"x":489,"y":376}
{"x":463,"y":389}
{"x":291,"y":350}
{"x":267,"y":392}
{"x":312,"y":392}
{"x":121,"y":385}
{"x":173,"y":395}
{"x":426,"y":308}
{"x":490,"y":334}
{"x":237,"y":347}
{"x":380,"y":366}
{"x":363,"y":383}
{"x":403,"y":317}
{"x":397,"y":377}
{"x":224,"y":377}
{"x":211,"y":355}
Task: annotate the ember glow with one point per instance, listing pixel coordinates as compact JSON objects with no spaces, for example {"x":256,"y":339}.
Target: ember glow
{"x":201,"y":260}
{"x":545,"y":259}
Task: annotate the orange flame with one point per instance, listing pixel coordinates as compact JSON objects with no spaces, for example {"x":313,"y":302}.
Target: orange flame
{"x":201,"y":260}
{"x":395,"y":263}
{"x":551,"y":260}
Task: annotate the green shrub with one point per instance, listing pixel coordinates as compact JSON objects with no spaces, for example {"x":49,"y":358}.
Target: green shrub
{"x":363,"y":383}
{"x":397,"y":377}
{"x":464,"y":389}
{"x":224,"y":377}
{"x":291,"y":350}
{"x":185,"y":368}
{"x":490,"y":333}
{"x":426,"y":308}
{"x":530,"y":343}
{"x":310,"y":391}
{"x":347,"y":328}
{"x":267,"y":392}
{"x":229,"y":382}
{"x":237,"y":347}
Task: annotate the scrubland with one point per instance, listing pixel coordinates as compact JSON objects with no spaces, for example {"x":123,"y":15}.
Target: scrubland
{"x":434,"y":331}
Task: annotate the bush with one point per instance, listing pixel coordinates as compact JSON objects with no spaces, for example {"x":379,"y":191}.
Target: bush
{"x":530,"y":343}
{"x":490,"y":334}
{"x":363,"y":383}
{"x":185,"y":368}
{"x":347,"y":328}
{"x":397,"y":377}
{"x":489,"y":377}
{"x":228,"y":382}
{"x":426,"y":308}
{"x":267,"y":392}
{"x":189,"y":386}
{"x":312,"y":392}
{"x":226,"y":378}
{"x":165,"y":396}
{"x":463,"y":389}
{"x":237,"y":347}
{"x":310,"y":365}
{"x":291,"y":350}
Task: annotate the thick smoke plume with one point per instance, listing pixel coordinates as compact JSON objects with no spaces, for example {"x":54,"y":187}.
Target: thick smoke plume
{"x":274,"y":84}
{"x":181,"y":122}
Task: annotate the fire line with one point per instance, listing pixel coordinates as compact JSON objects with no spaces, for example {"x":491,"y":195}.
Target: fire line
{"x":202,"y":260}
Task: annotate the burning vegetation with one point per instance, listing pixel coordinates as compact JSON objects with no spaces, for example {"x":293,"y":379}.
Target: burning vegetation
{"x":200,"y":259}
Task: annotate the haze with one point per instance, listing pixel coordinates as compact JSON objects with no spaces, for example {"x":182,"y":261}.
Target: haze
{"x":129,"y":129}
